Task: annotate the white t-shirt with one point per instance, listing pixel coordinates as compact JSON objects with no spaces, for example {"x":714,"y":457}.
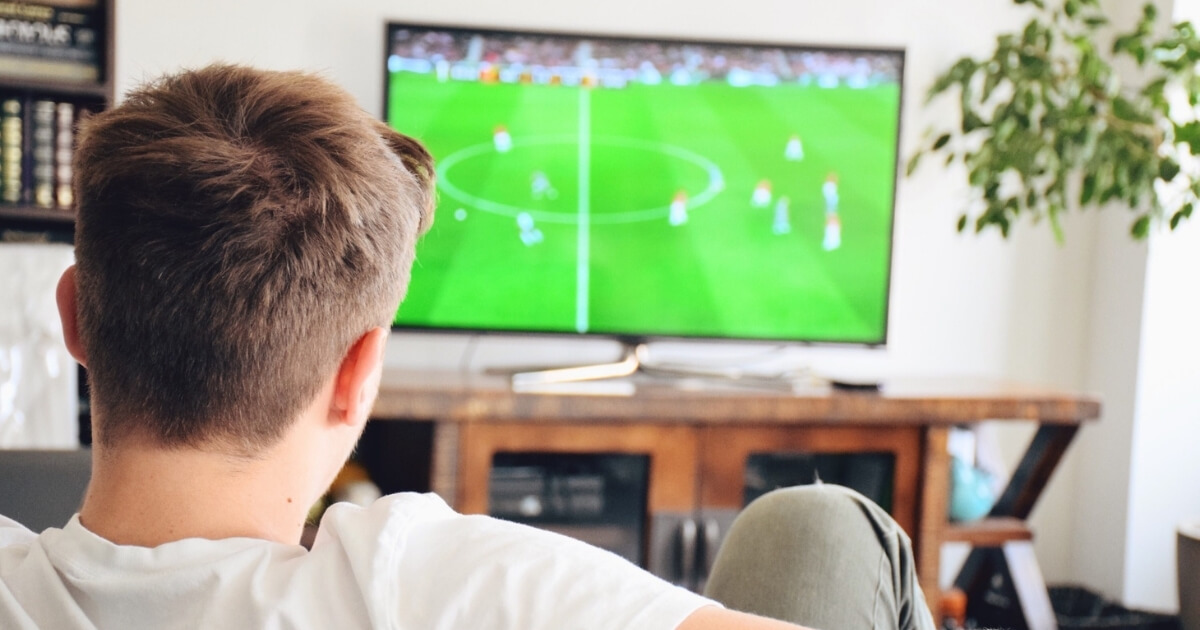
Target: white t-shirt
{"x":407,"y":562}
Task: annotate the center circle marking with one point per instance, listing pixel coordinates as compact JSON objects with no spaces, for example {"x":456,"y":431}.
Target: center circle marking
{"x":716,"y":182}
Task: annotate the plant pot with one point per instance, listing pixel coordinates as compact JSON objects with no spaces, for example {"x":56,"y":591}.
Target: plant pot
{"x":1188,"y":557}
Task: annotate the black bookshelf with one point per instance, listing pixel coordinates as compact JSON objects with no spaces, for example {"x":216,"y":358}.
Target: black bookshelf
{"x":47,"y":85}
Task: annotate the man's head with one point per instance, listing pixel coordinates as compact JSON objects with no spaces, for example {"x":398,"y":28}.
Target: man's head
{"x":238,"y":231}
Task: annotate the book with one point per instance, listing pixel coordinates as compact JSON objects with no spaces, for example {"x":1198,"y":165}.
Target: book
{"x":64,"y":150}
{"x":43,"y":153}
{"x":11,"y":153}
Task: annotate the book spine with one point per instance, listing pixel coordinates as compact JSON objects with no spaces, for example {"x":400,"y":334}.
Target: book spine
{"x":64,"y":149}
{"x":43,"y":154}
{"x":11,"y":154}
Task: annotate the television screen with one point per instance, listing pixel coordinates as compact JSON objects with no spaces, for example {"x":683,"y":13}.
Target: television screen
{"x":649,"y":187}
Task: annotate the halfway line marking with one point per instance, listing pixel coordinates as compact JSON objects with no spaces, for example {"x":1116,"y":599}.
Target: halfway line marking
{"x":582,"y":266}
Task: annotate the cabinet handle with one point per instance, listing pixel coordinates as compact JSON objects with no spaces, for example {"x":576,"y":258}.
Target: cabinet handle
{"x":687,"y":551}
{"x":712,"y":538}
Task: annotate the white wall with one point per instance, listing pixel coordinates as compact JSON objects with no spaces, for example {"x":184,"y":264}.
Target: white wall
{"x":1137,"y":472}
{"x":960,"y":304}
{"x":1099,"y":503}
{"x":1165,"y":476}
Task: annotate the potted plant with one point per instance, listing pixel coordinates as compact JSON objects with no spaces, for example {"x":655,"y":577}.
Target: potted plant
{"x":1047,"y":126}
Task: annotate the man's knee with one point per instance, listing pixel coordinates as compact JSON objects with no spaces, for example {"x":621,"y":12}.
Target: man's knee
{"x":807,"y":510}
{"x":794,"y":548}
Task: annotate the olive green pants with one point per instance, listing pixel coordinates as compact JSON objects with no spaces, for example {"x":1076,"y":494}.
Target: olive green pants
{"x":821,"y":556}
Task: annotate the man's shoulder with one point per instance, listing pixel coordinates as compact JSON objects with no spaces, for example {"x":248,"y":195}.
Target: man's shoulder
{"x":382,"y":525}
{"x":412,"y":554}
{"x":424,"y":534}
{"x":391,"y":511}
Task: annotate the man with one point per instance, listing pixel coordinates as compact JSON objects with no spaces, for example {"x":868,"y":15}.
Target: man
{"x":677,"y":213}
{"x":540,"y":187}
{"x":243,"y":240}
{"x":833,"y":223}
{"x":529,"y":232}
{"x":761,"y":197}
{"x":501,"y":139}
{"x":782,"y":223}
{"x":793,"y":151}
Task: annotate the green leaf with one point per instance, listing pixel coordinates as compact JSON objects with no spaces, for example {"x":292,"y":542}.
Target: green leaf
{"x":1167,"y":169}
{"x":977,"y":175}
{"x":1189,"y":133}
{"x":1141,"y":227}
{"x":1032,"y":29}
{"x":1035,"y":67}
{"x":1095,"y":21}
{"x":990,"y":81}
{"x":1124,"y":44}
{"x":1071,"y":7}
{"x":941,"y":141}
{"x":971,"y":122}
{"x":1125,"y":110}
{"x":1183,"y":213}
{"x":1056,"y":225}
{"x":962,"y":222}
{"x":959,"y":74}
{"x":1088,"y":191}
{"x":1154,"y":91}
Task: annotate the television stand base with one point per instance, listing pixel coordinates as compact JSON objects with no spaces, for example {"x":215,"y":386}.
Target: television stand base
{"x":635,"y":354}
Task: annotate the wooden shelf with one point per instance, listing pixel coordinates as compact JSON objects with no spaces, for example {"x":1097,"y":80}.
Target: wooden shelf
{"x":988,"y":532}
{"x":24,"y":212}
{"x":98,"y":91}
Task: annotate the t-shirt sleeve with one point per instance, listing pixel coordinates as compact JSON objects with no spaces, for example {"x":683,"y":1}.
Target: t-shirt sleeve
{"x":12,"y":532}
{"x":436,"y":569}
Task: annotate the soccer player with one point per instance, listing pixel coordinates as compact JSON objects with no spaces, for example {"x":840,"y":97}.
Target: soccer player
{"x":243,"y":240}
{"x":530,"y":234}
{"x":833,"y":233}
{"x":540,"y":187}
{"x":678,"y":214}
{"x":833,"y":223}
{"x":501,"y":139}
{"x":761,"y":197}
{"x":782,"y":223}
{"x":793,"y":151}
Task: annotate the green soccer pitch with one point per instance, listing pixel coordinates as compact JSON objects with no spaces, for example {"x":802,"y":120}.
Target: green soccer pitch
{"x":598,"y":252}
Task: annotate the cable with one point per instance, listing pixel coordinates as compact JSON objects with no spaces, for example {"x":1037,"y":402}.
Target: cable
{"x":464,"y":363}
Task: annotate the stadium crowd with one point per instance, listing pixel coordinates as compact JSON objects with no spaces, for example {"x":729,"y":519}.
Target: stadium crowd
{"x":614,"y":62}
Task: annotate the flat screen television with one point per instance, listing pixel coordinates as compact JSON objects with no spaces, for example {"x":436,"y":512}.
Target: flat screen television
{"x":647,"y":188}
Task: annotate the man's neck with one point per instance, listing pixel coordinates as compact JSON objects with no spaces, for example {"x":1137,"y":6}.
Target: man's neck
{"x":147,"y":495}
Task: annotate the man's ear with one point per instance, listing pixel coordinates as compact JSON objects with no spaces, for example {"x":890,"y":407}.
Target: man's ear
{"x":358,"y":376}
{"x":67,"y":313}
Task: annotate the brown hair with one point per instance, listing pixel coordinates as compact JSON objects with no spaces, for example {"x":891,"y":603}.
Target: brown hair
{"x":237,"y":231}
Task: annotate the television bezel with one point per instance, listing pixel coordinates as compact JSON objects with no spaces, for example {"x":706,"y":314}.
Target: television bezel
{"x":632,"y":338}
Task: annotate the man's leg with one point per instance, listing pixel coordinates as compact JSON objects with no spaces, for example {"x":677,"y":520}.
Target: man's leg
{"x":822,"y":556}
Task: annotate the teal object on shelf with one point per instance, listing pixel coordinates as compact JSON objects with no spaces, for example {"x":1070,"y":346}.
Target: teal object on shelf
{"x":971,"y":494}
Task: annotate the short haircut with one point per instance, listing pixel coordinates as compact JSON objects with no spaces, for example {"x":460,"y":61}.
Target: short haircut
{"x":238,"y":230}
